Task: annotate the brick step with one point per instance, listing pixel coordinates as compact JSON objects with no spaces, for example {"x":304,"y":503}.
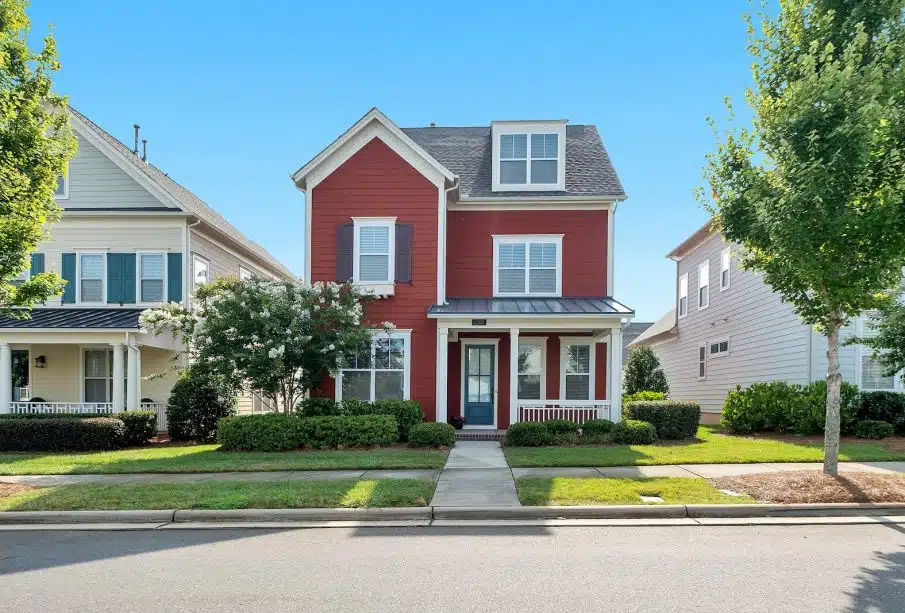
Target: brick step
{"x":480,"y":435}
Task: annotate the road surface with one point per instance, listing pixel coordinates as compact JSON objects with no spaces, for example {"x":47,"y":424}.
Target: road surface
{"x":523,"y":569}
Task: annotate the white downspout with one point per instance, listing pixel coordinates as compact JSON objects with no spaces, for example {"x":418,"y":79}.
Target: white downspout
{"x":188,"y":263}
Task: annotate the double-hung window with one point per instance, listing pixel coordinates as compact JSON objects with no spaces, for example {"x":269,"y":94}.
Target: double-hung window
{"x":375,"y":252}
{"x":200,"y":272}
{"x":527,"y":265}
{"x":873,"y":374}
{"x":62,"y":190}
{"x":725,"y":262}
{"x":531,"y":361}
{"x":577,"y":369}
{"x":244,"y":274}
{"x":22,"y":277}
{"x":702,"y":361}
{"x":91,"y":277}
{"x":704,"y":285}
{"x":152,"y":268}
{"x":379,"y":371}
{"x":97,"y":375}
{"x":683,"y":295}
{"x":528,"y":156}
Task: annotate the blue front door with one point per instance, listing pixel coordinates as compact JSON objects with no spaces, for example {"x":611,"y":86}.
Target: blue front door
{"x":479,"y":384}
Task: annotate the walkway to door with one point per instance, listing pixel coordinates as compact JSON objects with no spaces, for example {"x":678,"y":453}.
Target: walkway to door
{"x":476,"y":474}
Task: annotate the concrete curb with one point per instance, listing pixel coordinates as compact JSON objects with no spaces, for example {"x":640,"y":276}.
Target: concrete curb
{"x":839,"y":509}
{"x":597,"y":512}
{"x":305,"y":515}
{"x":86,"y":517}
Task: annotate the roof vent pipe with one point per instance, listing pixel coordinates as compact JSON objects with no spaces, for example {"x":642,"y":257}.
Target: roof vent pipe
{"x":135,"y":148}
{"x":144,"y":150}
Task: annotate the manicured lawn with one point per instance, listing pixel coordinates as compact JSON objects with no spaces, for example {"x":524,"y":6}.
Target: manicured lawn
{"x":206,"y":458}
{"x":565,"y":491}
{"x":226,"y":495}
{"x":710,"y":447}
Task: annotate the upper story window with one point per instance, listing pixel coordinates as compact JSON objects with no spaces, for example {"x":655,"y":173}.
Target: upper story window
{"x":683,"y":295}
{"x":703,"y":285}
{"x":244,"y":274}
{"x":374,"y":253}
{"x":725,"y":261}
{"x":152,"y":269}
{"x":200,"y":272}
{"x":62,"y":191}
{"x":528,"y":265}
{"x":528,"y":155}
{"x":91,"y":277}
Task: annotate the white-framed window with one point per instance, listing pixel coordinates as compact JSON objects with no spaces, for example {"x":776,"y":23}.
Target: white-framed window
{"x":718,"y":348}
{"x":703,"y":285}
{"x":532,"y":360}
{"x":374,"y":253}
{"x":577,"y":363}
{"x":23,"y":276}
{"x":152,"y":272}
{"x":91,"y":276}
{"x":244,"y":274}
{"x":380,"y":371}
{"x":62,"y":191}
{"x":529,"y":265}
{"x":200,"y":271}
{"x":528,"y":156}
{"x":97,"y":375}
{"x":702,"y":361}
{"x":683,"y":295}
{"x":725,"y":266}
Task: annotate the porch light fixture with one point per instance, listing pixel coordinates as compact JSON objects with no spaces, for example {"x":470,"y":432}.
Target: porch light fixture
{"x":41,"y":362}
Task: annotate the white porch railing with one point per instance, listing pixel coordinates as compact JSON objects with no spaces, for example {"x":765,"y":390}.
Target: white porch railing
{"x":578,"y":411}
{"x":100,"y":408}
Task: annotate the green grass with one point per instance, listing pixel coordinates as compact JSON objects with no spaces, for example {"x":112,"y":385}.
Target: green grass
{"x":226,"y":495}
{"x":206,"y":458}
{"x":710,"y":447}
{"x":565,"y":491}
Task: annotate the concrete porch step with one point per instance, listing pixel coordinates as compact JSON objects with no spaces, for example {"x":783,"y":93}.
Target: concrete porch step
{"x":480,"y":435}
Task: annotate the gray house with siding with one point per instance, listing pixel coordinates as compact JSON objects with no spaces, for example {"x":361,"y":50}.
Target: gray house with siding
{"x":729,"y":328}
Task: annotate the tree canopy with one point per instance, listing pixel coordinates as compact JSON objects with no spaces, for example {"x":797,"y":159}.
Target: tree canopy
{"x":643,"y":372}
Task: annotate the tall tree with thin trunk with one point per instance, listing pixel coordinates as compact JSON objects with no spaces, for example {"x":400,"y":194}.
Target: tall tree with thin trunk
{"x":815,"y":190}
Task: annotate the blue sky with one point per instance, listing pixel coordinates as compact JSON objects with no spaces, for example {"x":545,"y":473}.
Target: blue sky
{"x":234,"y":96}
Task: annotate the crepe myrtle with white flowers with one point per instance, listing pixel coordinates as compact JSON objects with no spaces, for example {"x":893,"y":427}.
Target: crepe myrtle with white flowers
{"x":281,"y":338}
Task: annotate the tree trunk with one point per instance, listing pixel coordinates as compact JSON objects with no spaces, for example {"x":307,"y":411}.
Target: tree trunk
{"x":833,"y":400}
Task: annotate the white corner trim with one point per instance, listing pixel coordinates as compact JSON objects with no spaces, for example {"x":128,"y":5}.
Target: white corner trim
{"x":496,"y":377}
{"x":565,"y":341}
{"x":502,"y":239}
{"x":610,"y":249}
{"x":309,"y":197}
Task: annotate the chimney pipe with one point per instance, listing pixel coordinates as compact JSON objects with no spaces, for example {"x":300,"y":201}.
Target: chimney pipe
{"x":144,"y":150}
{"x":135,"y":148}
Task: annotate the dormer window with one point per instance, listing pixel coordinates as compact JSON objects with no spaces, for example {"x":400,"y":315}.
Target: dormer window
{"x":62,"y":191}
{"x":529,"y":156}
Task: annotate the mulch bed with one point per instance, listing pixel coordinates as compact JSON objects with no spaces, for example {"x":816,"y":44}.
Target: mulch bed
{"x":813,"y":486}
{"x":12,"y":489}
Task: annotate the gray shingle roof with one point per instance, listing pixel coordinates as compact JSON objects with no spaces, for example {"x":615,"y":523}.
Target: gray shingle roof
{"x":530,"y":306}
{"x":468,"y":152}
{"x":76,"y":318}
{"x":192,"y":203}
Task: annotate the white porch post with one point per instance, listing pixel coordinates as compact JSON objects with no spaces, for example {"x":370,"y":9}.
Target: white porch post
{"x":6,"y":378}
{"x":133,"y":391}
{"x":513,"y":375}
{"x":118,"y":376}
{"x":442,"y":373}
{"x":616,"y":372}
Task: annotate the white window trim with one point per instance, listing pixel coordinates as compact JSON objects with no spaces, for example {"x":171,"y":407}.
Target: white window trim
{"x":495,"y":342}
{"x":65,"y":194}
{"x":381,"y":289}
{"x":82,"y":378}
{"x":138,"y":277}
{"x":704,"y":264}
{"x":679,"y":303}
{"x":699,"y":361}
{"x":565,"y":341}
{"x":719,"y":354}
{"x":499,"y":128}
{"x":207,"y":262}
{"x":539,"y":341}
{"x":248,"y":274}
{"x":502,"y":239}
{"x":78,"y":276}
{"x":406,"y":335}
{"x":727,"y":254}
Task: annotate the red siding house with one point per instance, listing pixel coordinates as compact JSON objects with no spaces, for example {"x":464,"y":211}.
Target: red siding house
{"x":491,"y":249}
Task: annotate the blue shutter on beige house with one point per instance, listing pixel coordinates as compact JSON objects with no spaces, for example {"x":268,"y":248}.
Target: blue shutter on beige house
{"x":174,"y":277}
{"x":37,"y":263}
{"x":121,"y":278}
{"x":128,"y":291}
{"x":68,"y":273}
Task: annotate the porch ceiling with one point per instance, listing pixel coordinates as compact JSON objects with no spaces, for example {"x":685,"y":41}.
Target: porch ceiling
{"x":529,"y":306}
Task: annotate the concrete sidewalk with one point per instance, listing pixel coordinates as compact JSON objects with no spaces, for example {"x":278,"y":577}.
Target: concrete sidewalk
{"x":476,"y":474}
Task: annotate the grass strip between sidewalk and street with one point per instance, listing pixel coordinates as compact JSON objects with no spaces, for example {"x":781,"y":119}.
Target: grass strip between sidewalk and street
{"x":578,"y":491}
{"x":207,"y":458}
{"x":710,"y":447}
{"x":346,"y":493}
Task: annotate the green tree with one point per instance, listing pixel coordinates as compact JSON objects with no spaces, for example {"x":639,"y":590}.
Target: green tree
{"x":815,"y":190}
{"x":643,"y":372}
{"x":887,"y":340}
{"x":36,"y":142}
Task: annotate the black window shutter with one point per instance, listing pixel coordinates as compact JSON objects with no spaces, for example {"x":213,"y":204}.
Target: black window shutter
{"x":403,"y":253}
{"x":345,"y":245}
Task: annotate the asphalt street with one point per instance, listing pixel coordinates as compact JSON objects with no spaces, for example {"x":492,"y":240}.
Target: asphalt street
{"x":523,"y":569}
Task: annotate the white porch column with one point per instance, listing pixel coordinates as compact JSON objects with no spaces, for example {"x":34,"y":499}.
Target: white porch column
{"x":133,"y":390}
{"x":442,"y":374}
{"x":6,"y":378}
{"x":616,"y":372}
{"x":513,"y":375}
{"x":119,"y":399}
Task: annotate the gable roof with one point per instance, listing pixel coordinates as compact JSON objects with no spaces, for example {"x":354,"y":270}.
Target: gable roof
{"x":179,"y":196}
{"x":663,"y":327}
{"x":468,"y":152}
{"x":700,"y":235}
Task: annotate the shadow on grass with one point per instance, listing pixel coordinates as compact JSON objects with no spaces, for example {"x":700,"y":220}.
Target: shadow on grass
{"x":880,"y":589}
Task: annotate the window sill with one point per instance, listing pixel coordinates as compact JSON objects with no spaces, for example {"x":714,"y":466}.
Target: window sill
{"x":378,"y":289}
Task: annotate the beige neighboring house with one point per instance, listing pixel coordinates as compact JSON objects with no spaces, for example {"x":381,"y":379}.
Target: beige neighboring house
{"x":130,"y":238}
{"x":729,"y":328}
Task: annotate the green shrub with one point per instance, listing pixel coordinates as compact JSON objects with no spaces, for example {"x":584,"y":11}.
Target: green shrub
{"x":432,"y":434}
{"x":783,"y":407}
{"x":639,"y":396}
{"x":407,"y":412}
{"x":673,"y":419}
{"x":597,"y":427}
{"x":872,"y":428}
{"x":883,"y":406}
{"x":810,"y":416}
{"x":61,"y":434}
{"x":317,"y":406}
{"x":569,"y":439}
{"x":140,"y":426}
{"x":528,"y":434}
{"x":633,"y":432}
{"x":561,"y":426}
{"x":195,"y":406}
{"x":262,"y":432}
{"x":282,"y":432}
